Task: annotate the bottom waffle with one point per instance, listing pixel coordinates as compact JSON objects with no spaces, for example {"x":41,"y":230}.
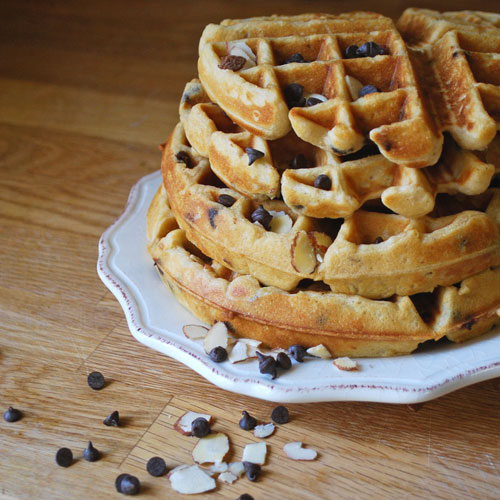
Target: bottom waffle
{"x":347,"y":325}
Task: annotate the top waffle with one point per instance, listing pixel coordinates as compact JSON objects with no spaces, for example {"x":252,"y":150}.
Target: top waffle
{"x":458,"y":56}
{"x":337,"y":80}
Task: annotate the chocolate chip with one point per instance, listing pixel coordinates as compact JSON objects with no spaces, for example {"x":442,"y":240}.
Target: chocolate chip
{"x":368,"y":89}
{"x":247,"y":423}
{"x":297,"y":352}
{"x":226,"y":199}
{"x":378,"y":240}
{"x":280,"y":415}
{"x":95,"y":380}
{"x":118,"y":482}
{"x":312,"y":101}
{"x":295,"y":58}
{"x":455,"y":54}
{"x":387,"y":146}
{"x":351,"y":52}
{"x":293,"y":94}
{"x":323,"y":182}
{"x":261,"y":215}
{"x":183,"y":157}
{"x":212,"y":212}
{"x":283,"y":361}
{"x":370,"y":49}
{"x":90,"y":453}
{"x":12,"y":415}
{"x":218,"y":354}
{"x":252,"y":470}
{"x":253,"y":154}
{"x":200,"y":427}
{"x":112,"y":420}
{"x":64,"y":457}
{"x":130,"y":485}
{"x":267,"y":365}
{"x":234,"y":63}
{"x":298,"y":161}
{"x":156,"y":466}
{"x":245,"y":496}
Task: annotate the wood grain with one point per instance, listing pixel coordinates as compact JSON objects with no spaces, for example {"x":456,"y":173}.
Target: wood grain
{"x":87,"y":92}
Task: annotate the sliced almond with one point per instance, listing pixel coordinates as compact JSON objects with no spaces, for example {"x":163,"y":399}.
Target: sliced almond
{"x":218,"y":468}
{"x":319,"y":351}
{"x":303,"y":254}
{"x":295,"y":451}
{"x":255,"y":453}
{"x":227,"y":477}
{"x":239,"y":352}
{"x":217,"y":336}
{"x":237,"y":468}
{"x":183,"y":424}
{"x":281,"y":222}
{"x":191,"y":480}
{"x":346,"y":364}
{"x":354,"y":86}
{"x":195,"y":332}
{"x":263,"y":430}
{"x":211,"y":448}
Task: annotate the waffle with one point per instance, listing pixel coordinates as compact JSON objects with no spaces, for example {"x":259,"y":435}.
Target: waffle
{"x":248,"y":68}
{"x":405,"y":191}
{"x":457,"y":54}
{"x":346,"y":325}
{"x":371,"y":254}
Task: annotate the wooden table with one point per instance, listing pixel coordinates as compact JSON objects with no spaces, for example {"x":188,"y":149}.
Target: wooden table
{"x":88,"y":89}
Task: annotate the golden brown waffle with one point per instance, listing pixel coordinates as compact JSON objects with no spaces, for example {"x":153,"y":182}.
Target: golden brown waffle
{"x":405,"y":191}
{"x":346,"y":325}
{"x":245,"y":68}
{"x":457,"y":54}
{"x":371,"y":254}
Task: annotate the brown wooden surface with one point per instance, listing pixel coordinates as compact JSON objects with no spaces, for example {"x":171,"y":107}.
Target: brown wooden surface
{"x":88,"y":90}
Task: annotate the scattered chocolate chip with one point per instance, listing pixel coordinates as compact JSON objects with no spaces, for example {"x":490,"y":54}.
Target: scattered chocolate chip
{"x":234,"y":63}
{"x":218,"y":354}
{"x":12,"y":415}
{"x":297,"y":352}
{"x":226,"y":199}
{"x":261,"y":215}
{"x":112,"y":420}
{"x":295,"y":58}
{"x":245,"y":496}
{"x":323,"y":182}
{"x":298,"y":161}
{"x":91,"y":454}
{"x":370,"y":49}
{"x":368,"y":89}
{"x":64,"y":457}
{"x":283,"y":361}
{"x":280,"y":415}
{"x":351,"y":52}
{"x":253,"y":154}
{"x":212,"y":212}
{"x":156,"y":466}
{"x":95,"y":380}
{"x":183,"y":157}
{"x":130,"y":485}
{"x":252,"y":470}
{"x":312,"y":101}
{"x":293,"y":94}
{"x":118,"y":482}
{"x":200,"y":427}
{"x":267,"y":365}
{"x":378,"y":240}
{"x":247,"y":423}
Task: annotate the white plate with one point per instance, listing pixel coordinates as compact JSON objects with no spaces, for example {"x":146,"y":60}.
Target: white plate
{"x":156,"y":319}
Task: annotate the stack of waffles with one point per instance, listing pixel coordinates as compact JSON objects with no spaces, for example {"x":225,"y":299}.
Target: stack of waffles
{"x":333,"y":180}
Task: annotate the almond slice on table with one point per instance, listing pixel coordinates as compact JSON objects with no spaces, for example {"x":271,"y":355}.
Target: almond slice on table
{"x":237,"y":468}
{"x":195,"y":332}
{"x":218,"y":468}
{"x":227,"y":477}
{"x":255,"y":453}
{"x":264,"y":430}
{"x":217,"y":336}
{"x":295,"y":451}
{"x":183,"y":424}
{"x":239,"y":352}
{"x":319,"y":351}
{"x":346,"y":364}
{"x":190,"y":480}
{"x":212,"y":448}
